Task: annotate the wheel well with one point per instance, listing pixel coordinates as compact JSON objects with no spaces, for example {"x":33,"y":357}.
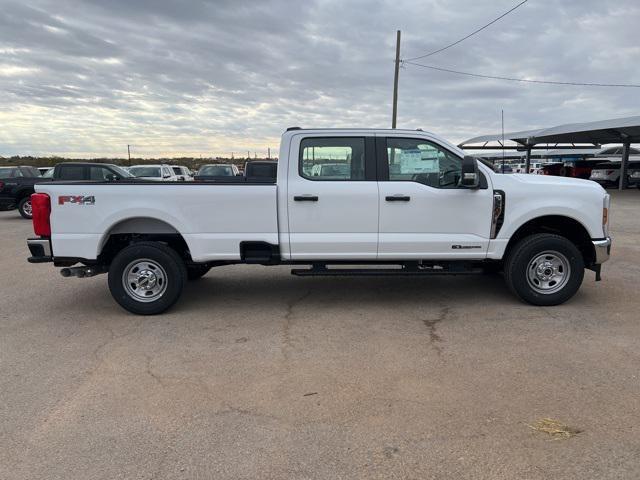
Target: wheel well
{"x":133,"y":230}
{"x":24,"y":193}
{"x":560,"y":225}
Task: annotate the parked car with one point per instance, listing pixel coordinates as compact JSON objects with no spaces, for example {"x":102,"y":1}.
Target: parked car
{"x":634,"y":176}
{"x":500,"y":168}
{"x":607,"y":174}
{"x":183,"y":173}
{"x":17,"y":187}
{"x":223,"y":172}
{"x":571,"y":168}
{"x":154,"y":173}
{"x":535,"y":167}
{"x":458,"y":217}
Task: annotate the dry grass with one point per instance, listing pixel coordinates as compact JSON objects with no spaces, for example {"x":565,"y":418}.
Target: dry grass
{"x":556,"y":429}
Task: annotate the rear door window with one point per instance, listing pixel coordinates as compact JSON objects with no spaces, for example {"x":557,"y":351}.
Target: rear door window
{"x":332,"y":159}
{"x":71,"y":172}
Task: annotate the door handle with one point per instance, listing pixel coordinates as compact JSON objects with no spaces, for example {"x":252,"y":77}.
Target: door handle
{"x":398,"y":198}
{"x":305,"y":198}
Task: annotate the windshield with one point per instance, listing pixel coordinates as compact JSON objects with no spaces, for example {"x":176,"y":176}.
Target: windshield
{"x":121,"y":171}
{"x":216,"y":171}
{"x":145,"y":171}
{"x":48,"y":173}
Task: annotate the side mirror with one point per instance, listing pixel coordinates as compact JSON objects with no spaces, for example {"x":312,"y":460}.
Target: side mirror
{"x":470,"y":175}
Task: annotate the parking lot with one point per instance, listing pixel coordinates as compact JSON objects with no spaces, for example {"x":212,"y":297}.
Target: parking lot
{"x":259,"y":374}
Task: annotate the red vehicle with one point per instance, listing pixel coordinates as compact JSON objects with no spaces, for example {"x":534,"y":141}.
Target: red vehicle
{"x":572,"y":168}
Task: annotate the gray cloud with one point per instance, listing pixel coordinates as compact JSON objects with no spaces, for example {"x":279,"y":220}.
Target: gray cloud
{"x":211,"y":77}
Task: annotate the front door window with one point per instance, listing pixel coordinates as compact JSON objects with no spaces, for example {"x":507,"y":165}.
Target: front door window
{"x":424,"y":162}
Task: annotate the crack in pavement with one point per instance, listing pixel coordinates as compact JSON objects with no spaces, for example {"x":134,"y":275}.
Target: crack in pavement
{"x":432,"y":324}
{"x":288,"y":323}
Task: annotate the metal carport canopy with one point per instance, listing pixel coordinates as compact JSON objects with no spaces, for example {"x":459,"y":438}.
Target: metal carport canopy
{"x":619,"y":130}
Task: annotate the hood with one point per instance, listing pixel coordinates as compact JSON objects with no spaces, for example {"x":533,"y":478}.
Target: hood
{"x":546,"y":180}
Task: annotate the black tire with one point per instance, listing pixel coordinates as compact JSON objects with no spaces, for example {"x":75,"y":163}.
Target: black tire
{"x":521,"y":274}
{"x":168,"y":272}
{"x":194,"y":272}
{"x":24,"y":207}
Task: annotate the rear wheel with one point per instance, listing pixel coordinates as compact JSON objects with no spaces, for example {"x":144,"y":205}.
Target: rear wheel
{"x":544,"y":269}
{"x":147,"y":278}
{"x":24,"y":207}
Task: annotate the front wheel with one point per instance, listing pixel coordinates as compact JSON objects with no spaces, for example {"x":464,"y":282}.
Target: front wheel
{"x":544,"y":269}
{"x":24,"y":207}
{"x":147,"y":278}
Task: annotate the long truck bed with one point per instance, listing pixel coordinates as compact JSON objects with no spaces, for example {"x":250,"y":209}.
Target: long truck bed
{"x":213,"y":218}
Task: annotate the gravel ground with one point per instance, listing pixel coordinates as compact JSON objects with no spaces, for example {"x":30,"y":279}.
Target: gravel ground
{"x":258,"y":374}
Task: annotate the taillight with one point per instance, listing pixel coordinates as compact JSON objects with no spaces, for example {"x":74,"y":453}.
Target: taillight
{"x":609,"y":172}
{"x":41,"y":210}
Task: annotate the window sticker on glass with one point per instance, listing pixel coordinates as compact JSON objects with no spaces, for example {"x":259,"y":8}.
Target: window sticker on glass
{"x":415,"y":161}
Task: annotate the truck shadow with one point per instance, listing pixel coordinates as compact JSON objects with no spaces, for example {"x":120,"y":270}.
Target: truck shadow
{"x":270,"y":287}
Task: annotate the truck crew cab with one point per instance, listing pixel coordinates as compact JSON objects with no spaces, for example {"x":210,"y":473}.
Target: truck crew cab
{"x":401,"y":202}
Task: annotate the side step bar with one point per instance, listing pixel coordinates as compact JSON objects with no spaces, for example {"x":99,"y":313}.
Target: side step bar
{"x":452,"y":268}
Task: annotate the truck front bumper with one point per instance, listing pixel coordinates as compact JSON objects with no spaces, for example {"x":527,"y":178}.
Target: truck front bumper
{"x":602,"y":249}
{"x":40,"y":249}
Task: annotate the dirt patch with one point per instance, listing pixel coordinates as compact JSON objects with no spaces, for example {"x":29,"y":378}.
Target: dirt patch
{"x":554,"y":428}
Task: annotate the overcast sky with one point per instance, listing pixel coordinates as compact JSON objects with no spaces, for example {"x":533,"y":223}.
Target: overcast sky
{"x":196,"y":77}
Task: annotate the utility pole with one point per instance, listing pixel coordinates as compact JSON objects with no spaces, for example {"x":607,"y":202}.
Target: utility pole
{"x":269,"y":153}
{"x":129,"y":153}
{"x":502,"y":123}
{"x":395,"y":82}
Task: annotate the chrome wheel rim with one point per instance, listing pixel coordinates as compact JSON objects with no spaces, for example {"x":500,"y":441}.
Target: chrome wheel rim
{"x":26,"y":207}
{"x":144,"y":280}
{"x":548,"y":272}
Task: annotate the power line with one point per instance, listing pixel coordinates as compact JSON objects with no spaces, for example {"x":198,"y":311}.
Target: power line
{"x":526,"y":80}
{"x":470,"y":35}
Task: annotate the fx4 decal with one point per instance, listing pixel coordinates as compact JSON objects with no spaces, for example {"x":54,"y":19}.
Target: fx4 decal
{"x":464,"y":247}
{"x":77,"y":199}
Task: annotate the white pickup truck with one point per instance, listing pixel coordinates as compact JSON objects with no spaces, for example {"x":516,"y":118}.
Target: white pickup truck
{"x":395,"y":202}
